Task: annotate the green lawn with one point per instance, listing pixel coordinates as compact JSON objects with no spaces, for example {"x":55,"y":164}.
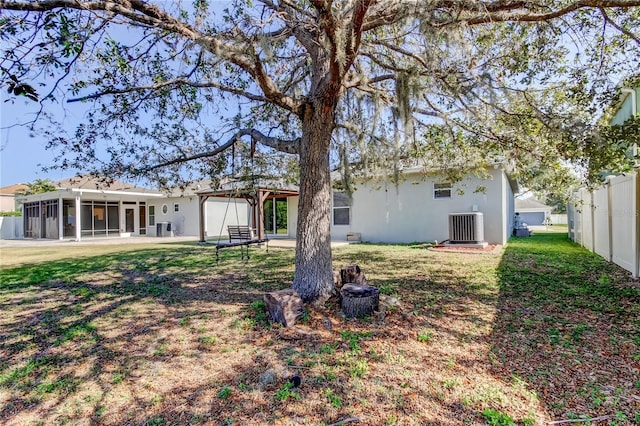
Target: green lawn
{"x":161,"y":334}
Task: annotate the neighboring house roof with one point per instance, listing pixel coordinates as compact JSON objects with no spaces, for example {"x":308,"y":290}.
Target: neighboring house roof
{"x":530,"y":204}
{"x":275,"y":185}
{"x":189,"y":190}
{"x":87,"y":184}
{"x":100,"y":184}
{"x":12,"y":189}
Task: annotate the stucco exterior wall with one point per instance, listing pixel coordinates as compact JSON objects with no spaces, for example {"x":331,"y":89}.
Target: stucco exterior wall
{"x":410,"y":213}
{"x":11,"y":227}
{"x":183,"y":222}
{"x":7,"y":203}
{"x":238,"y":213}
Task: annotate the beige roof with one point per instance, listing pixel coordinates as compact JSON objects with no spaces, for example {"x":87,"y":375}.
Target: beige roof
{"x":530,"y":203}
{"x":12,"y":189}
{"x":189,"y":189}
{"x":98,"y":183}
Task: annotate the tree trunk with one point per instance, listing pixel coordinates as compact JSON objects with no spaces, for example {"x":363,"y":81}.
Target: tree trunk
{"x":314,"y":275}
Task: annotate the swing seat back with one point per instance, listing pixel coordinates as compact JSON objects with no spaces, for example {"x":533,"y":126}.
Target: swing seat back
{"x":240,"y":232}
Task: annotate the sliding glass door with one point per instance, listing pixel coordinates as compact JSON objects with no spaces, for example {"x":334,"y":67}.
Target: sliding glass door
{"x":275,"y":216}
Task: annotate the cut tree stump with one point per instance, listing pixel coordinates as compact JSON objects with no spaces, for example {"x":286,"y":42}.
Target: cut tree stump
{"x":359,"y":300}
{"x":285,"y":306}
{"x":351,"y":274}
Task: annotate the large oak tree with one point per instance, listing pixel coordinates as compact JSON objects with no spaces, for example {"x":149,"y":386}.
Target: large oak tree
{"x":363,"y":85}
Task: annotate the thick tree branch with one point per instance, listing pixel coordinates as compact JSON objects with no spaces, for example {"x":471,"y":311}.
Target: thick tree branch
{"x":516,"y":15}
{"x":354,"y":31}
{"x":176,"y":82}
{"x":475,"y":13}
{"x":282,"y":145}
{"x":618,"y":27}
{"x":238,"y":53}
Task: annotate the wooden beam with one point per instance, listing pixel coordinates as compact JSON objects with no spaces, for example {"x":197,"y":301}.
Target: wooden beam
{"x":263,"y":194}
{"x":202,"y":199}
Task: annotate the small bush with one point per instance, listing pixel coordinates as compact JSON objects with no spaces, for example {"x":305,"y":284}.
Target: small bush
{"x":497,"y":418}
{"x":224,"y":393}
{"x":285,"y":392}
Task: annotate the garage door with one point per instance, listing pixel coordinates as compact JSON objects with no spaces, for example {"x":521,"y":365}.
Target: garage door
{"x":532,"y":218}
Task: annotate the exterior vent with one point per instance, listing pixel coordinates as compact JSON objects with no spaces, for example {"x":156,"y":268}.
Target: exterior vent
{"x":466,"y":228}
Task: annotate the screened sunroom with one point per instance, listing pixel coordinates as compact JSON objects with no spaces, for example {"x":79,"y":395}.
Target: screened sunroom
{"x":75,"y":213}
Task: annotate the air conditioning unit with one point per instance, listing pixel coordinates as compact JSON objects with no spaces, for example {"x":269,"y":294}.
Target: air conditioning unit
{"x":466,"y":228}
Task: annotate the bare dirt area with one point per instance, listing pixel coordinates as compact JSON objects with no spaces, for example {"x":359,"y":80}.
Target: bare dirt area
{"x":165,"y":336}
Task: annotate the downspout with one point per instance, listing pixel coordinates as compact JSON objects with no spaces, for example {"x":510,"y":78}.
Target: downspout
{"x":634,"y":111}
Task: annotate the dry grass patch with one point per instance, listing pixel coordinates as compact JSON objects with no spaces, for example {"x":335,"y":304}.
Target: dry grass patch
{"x":164,"y":335}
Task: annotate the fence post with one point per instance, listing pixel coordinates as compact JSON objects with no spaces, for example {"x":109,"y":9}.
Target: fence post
{"x":593,"y":221}
{"x":636,"y":225}
{"x":609,"y":219}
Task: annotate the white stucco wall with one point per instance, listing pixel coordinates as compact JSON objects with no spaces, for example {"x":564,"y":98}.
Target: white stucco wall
{"x":410,"y":213}
{"x":237,"y":213}
{"x":7,"y":203}
{"x":184,"y":222}
{"x":11,"y":227}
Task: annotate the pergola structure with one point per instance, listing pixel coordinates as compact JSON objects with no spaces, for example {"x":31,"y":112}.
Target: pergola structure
{"x":255,"y":196}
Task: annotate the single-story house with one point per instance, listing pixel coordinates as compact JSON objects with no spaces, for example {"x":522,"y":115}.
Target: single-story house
{"x":8,"y":196}
{"x":417,"y":209}
{"x":115,"y":208}
{"x":532,"y":211}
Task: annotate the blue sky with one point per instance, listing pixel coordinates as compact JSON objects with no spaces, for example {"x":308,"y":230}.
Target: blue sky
{"x":21,"y":154}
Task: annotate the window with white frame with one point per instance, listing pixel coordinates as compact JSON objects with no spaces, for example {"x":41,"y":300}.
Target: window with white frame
{"x":341,"y":208}
{"x":442,"y":190}
{"x":176,"y":207}
{"x":152,"y":215}
{"x":165,"y":209}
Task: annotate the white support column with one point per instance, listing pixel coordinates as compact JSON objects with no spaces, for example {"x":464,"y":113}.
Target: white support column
{"x":122,"y":219}
{"x":60,"y":219}
{"x":78,"y":217}
{"x":136,"y":219}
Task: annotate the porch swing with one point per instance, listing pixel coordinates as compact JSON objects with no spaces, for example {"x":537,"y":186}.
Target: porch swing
{"x":242,"y":236}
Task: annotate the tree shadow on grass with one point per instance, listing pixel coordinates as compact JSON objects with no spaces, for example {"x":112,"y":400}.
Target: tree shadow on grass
{"x":95,"y":322}
{"x":169,"y":336}
{"x":567,"y":328}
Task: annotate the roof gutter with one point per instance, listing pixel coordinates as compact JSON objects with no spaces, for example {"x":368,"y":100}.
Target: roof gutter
{"x":109,"y":192}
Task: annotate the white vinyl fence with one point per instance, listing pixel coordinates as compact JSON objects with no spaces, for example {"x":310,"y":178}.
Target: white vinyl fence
{"x":605,"y":221}
{"x":558,"y":218}
{"x":11,"y":227}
